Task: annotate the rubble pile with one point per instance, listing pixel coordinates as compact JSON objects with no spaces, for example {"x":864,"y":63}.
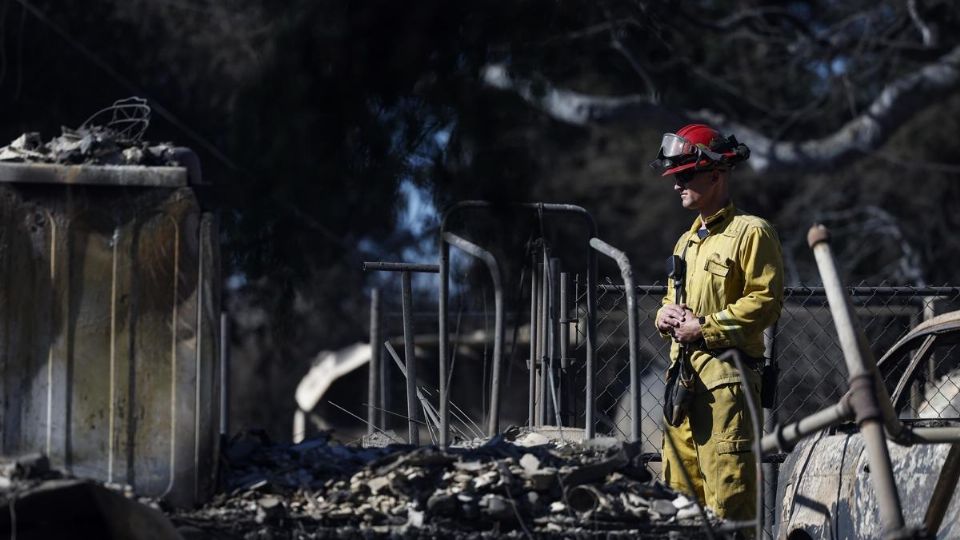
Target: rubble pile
{"x":25,"y":472}
{"x":515,"y":489}
{"x":112,"y":136}
{"x":41,"y":502}
{"x":94,"y":145}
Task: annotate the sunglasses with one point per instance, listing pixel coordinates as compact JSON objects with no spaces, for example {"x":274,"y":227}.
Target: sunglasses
{"x":685,"y":177}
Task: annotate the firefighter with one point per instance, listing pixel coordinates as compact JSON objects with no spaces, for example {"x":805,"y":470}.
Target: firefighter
{"x":733,"y":290}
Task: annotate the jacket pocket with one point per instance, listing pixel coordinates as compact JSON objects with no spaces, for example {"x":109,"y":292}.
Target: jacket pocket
{"x":734,"y":444}
{"x":717,"y":266}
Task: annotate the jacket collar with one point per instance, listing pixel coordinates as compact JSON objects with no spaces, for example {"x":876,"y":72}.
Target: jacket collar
{"x":716,"y":222}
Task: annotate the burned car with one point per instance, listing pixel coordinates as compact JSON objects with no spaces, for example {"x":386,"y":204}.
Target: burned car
{"x":825,"y":487}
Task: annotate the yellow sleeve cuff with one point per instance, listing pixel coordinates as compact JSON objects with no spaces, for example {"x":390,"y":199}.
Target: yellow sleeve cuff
{"x":713,"y":335}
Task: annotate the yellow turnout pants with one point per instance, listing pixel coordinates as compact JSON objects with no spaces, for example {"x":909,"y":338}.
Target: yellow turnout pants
{"x":714,"y":444}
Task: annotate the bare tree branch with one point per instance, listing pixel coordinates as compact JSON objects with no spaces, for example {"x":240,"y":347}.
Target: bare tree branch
{"x":928,"y":35}
{"x":637,"y":68}
{"x":895,"y":104}
{"x":566,"y":105}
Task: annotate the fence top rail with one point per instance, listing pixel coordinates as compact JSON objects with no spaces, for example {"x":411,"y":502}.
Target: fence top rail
{"x":819,"y":291}
{"x":400,"y":267}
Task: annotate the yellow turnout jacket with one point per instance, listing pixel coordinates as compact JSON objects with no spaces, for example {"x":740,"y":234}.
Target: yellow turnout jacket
{"x":735,"y":280}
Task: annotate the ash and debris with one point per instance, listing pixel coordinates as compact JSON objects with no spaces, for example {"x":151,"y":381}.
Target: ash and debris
{"x":112,"y":136}
{"x":518,"y":485}
{"x":26,"y":471}
{"x":22,"y":474}
{"x":39,"y":502}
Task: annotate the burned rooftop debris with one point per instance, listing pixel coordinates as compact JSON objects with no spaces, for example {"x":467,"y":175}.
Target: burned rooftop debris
{"x":112,"y":136}
{"x":501,"y":488}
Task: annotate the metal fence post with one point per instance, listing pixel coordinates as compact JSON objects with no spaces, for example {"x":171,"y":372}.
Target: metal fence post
{"x":770,"y":470}
{"x":554,"y":382}
{"x":224,"y":374}
{"x":443,"y":344}
{"x":493,"y":421}
{"x":409,"y":358}
{"x":544,"y":334}
{"x":532,"y":364}
{"x":626,"y":271}
{"x":413,"y":431}
{"x":373,"y":372}
{"x":541,"y":330}
{"x":566,"y":379}
{"x":590,"y":393}
{"x":384,"y":378}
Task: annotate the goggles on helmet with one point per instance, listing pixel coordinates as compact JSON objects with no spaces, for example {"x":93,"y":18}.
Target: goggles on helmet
{"x":675,"y":150}
{"x":673,"y":146}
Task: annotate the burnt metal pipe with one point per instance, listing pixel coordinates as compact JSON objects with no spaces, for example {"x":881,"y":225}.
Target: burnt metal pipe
{"x":770,"y":470}
{"x":384,"y":389}
{"x":401,"y":267}
{"x":754,"y":410}
{"x":224,"y":374}
{"x":493,"y":421}
{"x":406,"y":287}
{"x":554,"y":378}
{"x":444,"y":339}
{"x":591,"y":340}
{"x":784,"y":438}
{"x":409,"y":357}
{"x":541,"y":331}
{"x":566,"y":378}
{"x":564,"y":320}
{"x":543,"y":355}
{"x":861,"y":364}
{"x":374,"y":367}
{"x":626,"y":271}
{"x":867,"y":394}
{"x":532,"y":364}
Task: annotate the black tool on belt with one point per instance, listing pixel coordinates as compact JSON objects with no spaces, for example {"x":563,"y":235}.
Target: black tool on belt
{"x":679,"y":382}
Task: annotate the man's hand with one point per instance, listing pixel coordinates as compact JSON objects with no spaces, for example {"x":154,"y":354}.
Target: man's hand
{"x":688,"y":330}
{"x":671,"y":316}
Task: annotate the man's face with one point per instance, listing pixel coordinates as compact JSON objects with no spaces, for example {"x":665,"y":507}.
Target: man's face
{"x":695,"y":188}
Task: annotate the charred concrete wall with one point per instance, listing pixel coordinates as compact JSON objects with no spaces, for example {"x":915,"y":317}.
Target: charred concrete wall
{"x":109,"y":334}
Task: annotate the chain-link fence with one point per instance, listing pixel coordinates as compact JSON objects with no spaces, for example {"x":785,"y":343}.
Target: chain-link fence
{"x":803,"y":344}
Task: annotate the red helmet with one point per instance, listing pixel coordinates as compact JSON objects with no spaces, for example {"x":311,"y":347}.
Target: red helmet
{"x":698,"y":146}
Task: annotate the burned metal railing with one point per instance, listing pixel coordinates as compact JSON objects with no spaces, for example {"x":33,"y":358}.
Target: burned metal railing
{"x":626,"y":271}
{"x":590,"y":338}
{"x":376,"y":374}
{"x":493,"y":421}
{"x":410,"y":374}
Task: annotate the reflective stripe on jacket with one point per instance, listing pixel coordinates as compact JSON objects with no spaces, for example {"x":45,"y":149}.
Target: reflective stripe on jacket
{"x":735,"y":280}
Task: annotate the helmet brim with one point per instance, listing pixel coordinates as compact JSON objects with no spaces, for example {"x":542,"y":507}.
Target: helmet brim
{"x":703,"y":164}
{"x":685,"y":167}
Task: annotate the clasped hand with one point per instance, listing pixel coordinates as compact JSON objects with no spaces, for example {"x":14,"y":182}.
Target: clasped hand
{"x":679,"y":321}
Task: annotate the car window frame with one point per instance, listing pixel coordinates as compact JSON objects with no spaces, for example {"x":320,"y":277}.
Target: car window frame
{"x":921,"y":354}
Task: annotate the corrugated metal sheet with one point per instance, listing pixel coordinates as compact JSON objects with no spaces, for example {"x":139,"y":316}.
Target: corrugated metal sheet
{"x":109,"y":302}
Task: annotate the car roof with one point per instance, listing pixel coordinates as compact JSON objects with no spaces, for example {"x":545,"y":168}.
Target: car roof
{"x":941,"y":324}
